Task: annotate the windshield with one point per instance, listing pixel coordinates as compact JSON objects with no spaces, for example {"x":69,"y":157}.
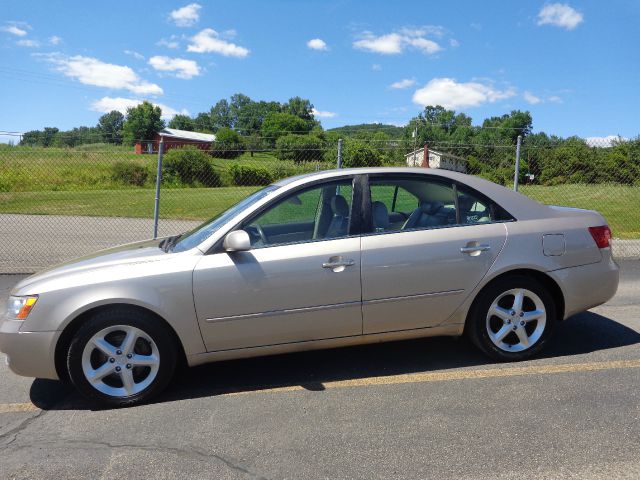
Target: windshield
{"x":198,"y":235}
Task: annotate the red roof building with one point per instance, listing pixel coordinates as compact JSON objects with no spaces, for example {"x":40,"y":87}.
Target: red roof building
{"x":173,"y":138}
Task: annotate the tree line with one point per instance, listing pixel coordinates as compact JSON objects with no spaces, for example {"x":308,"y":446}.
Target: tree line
{"x":291,"y":131}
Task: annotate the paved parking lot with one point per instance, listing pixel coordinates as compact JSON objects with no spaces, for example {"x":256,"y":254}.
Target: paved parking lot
{"x":432,"y":408}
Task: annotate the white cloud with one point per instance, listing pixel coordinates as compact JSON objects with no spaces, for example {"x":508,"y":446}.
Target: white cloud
{"x":434,"y":30}
{"x":531,"y":98}
{"x":376,"y":67}
{"x":560,"y":15}
{"x":134,"y":54}
{"x":172,"y":42}
{"x":317,"y":44}
{"x":454,"y":43}
{"x":26,"y":42}
{"x":13,"y":29}
{"x":55,"y":40}
{"x":180,"y":67}
{"x":607,"y":141}
{"x":554,"y":99}
{"x":453,"y":95}
{"x":389,"y":44}
{"x":91,"y":71}
{"x":396,"y":42}
{"x":107,"y":104}
{"x":187,"y":15}
{"x":208,"y":41}
{"x":404,"y":83}
{"x":323,"y":114}
{"x":427,"y":46}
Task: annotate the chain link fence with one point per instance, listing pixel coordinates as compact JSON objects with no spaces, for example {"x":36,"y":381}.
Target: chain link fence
{"x":60,"y":203}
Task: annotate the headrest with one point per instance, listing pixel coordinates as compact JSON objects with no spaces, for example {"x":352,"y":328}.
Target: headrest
{"x":380,"y":214}
{"x":339,"y":206}
{"x":430,"y":208}
{"x":465,"y":202}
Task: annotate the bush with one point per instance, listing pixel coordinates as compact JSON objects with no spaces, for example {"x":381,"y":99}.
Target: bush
{"x":130,"y":173}
{"x":360,"y":154}
{"x":228,"y":144}
{"x":246,"y":175}
{"x":299,"y":148}
{"x":190,"y":166}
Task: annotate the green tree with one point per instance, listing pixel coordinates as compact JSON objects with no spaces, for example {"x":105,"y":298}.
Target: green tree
{"x":300,"y":107}
{"x":110,"y":127}
{"x":252,"y":116}
{"x":221,"y":116}
{"x":228,"y":144}
{"x":182,"y":122}
{"x":142,"y":122}
{"x":202,"y":123}
{"x":278,"y":124}
{"x":361,"y":154}
{"x":238,"y":102}
{"x":300,"y":148}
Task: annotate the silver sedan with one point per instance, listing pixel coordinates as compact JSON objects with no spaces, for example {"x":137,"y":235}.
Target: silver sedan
{"x":323,"y":260}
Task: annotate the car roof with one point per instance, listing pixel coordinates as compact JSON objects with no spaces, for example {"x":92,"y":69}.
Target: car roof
{"x":518,"y":205}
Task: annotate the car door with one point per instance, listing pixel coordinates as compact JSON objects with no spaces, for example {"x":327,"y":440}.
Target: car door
{"x":300,"y":281}
{"x":416,"y":272}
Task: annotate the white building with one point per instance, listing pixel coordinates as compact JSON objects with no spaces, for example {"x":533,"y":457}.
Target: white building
{"x":446,"y":161}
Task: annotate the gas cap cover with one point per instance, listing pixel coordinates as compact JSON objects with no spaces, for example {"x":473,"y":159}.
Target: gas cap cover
{"x":553,"y":244}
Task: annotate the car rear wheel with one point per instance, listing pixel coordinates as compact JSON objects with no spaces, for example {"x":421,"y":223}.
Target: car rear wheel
{"x":121,"y":357}
{"x":512,"y":318}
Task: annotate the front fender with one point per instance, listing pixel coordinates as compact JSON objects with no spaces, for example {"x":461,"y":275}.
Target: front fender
{"x":166,"y":293}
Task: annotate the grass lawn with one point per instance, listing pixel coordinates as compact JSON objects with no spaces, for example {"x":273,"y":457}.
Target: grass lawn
{"x":176,"y":203}
{"x":620,"y":204}
{"x":26,"y":169}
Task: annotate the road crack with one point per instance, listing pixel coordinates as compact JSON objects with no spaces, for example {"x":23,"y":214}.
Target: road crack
{"x":192,"y":452}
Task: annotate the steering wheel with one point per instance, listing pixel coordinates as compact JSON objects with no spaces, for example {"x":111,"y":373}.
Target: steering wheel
{"x":256,"y":233}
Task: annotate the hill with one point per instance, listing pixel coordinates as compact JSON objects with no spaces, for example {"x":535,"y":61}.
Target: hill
{"x":368,"y":128}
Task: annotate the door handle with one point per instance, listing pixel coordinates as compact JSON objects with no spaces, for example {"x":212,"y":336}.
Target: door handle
{"x":339,"y":263}
{"x":476,"y":248}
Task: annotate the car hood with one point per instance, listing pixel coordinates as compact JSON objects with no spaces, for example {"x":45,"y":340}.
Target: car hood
{"x":130,"y":254}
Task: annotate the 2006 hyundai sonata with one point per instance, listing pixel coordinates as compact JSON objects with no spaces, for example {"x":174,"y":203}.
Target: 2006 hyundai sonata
{"x":322,"y":260}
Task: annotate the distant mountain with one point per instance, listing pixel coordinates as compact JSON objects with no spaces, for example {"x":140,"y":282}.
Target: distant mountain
{"x":369,"y":128}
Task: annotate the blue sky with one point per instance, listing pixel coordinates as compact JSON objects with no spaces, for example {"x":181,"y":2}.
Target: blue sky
{"x":575,"y":66}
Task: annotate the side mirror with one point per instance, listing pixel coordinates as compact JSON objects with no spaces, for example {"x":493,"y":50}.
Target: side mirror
{"x":237,"y":241}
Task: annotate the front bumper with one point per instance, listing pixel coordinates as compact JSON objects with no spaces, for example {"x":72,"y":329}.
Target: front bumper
{"x":30,"y":354}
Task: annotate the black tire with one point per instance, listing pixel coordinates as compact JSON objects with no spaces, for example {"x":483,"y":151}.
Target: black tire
{"x":151,"y":326}
{"x":476,"y":327}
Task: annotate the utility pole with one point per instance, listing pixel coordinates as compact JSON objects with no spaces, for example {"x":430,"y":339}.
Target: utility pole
{"x":415,"y":144}
{"x":516,"y":175}
{"x":156,"y":210}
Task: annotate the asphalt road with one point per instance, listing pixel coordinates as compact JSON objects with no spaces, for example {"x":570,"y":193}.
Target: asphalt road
{"x":432,"y":408}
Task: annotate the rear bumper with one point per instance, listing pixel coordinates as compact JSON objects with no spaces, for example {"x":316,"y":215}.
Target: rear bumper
{"x":588,"y":286}
{"x":30,"y":354}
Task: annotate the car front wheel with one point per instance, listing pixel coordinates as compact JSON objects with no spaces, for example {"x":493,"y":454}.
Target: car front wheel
{"x":512,"y":318}
{"x":121,"y":357}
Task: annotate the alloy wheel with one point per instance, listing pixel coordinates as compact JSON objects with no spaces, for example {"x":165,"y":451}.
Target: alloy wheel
{"x":120,"y":361}
{"x":516,"y":320}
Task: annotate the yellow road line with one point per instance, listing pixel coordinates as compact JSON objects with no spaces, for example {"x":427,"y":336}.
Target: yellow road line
{"x":17,"y":407}
{"x":507,"y":371}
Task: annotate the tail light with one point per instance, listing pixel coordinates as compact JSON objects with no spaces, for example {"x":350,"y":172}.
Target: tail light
{"x":601,"y":235}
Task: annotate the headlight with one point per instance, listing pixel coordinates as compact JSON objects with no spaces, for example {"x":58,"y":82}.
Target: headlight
{"x":20,"y":307}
